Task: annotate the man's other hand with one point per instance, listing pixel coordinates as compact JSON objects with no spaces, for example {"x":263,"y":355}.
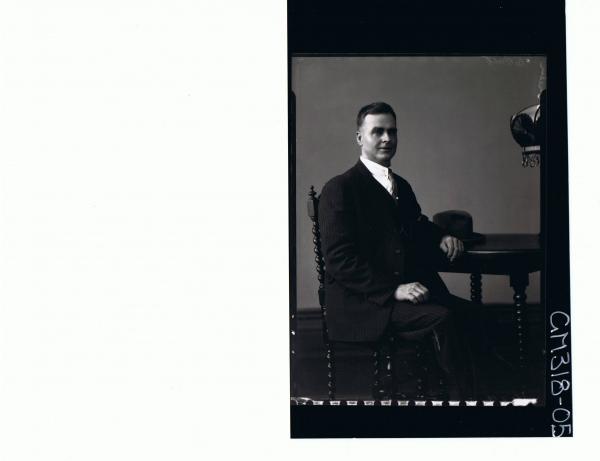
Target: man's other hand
{"x":452,"y":247}
{"x":413,"y":292}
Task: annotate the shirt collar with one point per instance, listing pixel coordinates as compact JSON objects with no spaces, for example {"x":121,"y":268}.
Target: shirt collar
{"x":375,"y":168}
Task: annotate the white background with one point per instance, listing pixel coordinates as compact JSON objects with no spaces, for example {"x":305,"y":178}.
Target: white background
{"x":143,"y":173}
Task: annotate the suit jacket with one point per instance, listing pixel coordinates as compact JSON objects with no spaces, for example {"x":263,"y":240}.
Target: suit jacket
{"x":371,"y":244}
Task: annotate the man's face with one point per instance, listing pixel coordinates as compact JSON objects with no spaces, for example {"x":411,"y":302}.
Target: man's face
{"x":378,"y":137}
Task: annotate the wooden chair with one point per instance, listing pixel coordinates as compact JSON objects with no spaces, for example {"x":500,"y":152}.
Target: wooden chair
{"x":384,"y":384}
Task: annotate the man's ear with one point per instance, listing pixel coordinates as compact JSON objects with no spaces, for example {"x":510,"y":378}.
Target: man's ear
{"x":358,"y":138}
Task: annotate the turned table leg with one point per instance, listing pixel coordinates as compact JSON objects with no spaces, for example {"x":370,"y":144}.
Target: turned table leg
{"x":519,"y":283}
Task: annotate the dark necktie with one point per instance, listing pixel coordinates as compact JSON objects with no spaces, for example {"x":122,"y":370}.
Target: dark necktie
{"x":394,"y":185}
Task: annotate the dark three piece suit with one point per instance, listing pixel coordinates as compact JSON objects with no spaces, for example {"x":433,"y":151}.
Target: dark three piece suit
{"x":372,"y":243}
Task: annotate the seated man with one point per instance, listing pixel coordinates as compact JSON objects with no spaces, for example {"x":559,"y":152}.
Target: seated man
{"x":379,"y":250}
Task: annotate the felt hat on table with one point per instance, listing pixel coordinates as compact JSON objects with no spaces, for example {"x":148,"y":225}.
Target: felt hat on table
{"x":458,"y":223}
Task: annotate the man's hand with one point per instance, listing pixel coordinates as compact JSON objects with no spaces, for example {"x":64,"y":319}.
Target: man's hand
{"x":413,"y":292}
{"x":452,"y":247}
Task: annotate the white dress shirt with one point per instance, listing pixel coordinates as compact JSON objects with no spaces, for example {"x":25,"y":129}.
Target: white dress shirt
{"x":382,"y":174}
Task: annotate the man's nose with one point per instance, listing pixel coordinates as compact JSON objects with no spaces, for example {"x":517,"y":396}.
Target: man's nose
{"x":385,"y":136}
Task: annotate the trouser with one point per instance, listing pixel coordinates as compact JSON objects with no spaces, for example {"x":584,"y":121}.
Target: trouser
{"x":451,"y":324}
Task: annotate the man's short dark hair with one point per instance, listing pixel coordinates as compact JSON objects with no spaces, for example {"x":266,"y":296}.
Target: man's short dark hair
{"x":372,"y":109}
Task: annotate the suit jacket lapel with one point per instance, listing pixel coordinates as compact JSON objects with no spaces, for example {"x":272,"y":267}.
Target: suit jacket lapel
{"x":374,"y":188}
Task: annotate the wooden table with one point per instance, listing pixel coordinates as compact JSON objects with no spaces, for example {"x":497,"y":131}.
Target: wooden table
{"x":515,"y":255}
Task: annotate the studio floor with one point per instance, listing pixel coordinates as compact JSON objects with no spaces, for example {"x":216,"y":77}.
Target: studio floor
{"x":497,"y":373}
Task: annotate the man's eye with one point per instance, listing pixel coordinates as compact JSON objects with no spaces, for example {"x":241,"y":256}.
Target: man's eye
{"x":378,"y":131}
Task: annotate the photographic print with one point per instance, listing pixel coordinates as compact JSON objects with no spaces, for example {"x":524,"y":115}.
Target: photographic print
{"x":420,"y":229}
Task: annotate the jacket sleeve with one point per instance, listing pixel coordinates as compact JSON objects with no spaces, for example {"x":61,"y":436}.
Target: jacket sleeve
{"x":339,"y":238}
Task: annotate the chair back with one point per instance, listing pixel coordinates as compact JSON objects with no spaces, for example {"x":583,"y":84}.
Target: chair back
{"x":379,"y":389}
{"x":313,"y":213}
